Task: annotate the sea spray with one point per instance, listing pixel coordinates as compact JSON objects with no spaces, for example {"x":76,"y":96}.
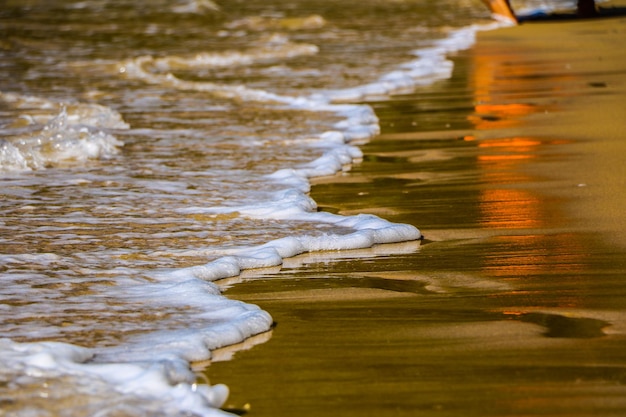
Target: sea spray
{"x":46,"y":134}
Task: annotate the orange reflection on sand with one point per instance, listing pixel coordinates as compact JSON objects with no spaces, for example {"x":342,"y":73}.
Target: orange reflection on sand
{"x":507,"y":149}
{"x":487,"y":158}
{"x":516,"y":144}
{"x":499,"y":116}
{"x":500,"y":81}
{"x":505,"y":203}
{"x":503,"y":208}
{"x":500,"y":205}
{"x":532,"y":259}
{"x":502,"y":111}
{"x":500,"y":160}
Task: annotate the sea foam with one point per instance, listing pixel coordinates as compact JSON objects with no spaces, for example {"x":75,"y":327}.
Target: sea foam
{"x":150,"y":372}
{"x":110,"y":388}
{"x":358,"y":122}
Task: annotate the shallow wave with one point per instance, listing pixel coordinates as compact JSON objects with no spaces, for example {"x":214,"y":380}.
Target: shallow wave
{"x":149,"y":371}
{"x":275,"y":49}
{"x":430,"y":65}
{"x":261,"y":23}
{"x":153,"y":70}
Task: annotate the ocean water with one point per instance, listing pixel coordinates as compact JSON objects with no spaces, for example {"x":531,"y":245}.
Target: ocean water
{"x":148,"y":149}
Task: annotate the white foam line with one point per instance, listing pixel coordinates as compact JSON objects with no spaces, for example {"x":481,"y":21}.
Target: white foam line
{"x":156,"y":367}
{"x":360,"y":122}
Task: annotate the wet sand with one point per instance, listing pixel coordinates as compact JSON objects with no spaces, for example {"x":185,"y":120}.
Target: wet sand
{"x":515,"y":302}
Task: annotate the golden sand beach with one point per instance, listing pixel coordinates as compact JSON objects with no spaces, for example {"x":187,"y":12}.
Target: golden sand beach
{"x":515,"y":302}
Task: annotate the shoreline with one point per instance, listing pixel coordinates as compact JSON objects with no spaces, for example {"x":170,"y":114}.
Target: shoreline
{"x":513,"y":302}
